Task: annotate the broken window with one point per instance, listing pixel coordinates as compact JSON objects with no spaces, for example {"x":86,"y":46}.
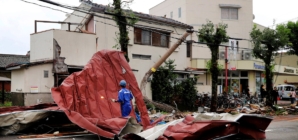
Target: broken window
{"x":153,"y":38}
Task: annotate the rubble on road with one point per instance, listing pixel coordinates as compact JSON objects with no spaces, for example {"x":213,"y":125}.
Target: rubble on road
{"x":83,"y":106}
{"x":208,"y":126}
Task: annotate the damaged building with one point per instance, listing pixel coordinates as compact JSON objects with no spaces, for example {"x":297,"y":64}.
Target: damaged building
{"x":57,"y":53}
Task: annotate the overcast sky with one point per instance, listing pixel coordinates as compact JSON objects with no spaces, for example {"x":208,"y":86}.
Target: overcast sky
{"x":17,"y":18}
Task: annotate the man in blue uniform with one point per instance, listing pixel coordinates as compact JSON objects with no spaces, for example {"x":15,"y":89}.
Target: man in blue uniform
{"x":124,"y":98}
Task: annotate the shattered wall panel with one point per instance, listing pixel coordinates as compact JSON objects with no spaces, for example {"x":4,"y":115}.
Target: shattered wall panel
{"x":85,"y":96}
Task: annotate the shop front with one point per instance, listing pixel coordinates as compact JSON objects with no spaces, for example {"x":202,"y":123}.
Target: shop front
{"x":285,"y":75}
{"x":241,"y":74}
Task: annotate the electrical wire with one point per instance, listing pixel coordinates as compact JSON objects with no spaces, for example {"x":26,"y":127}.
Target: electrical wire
{"x":146,"y":29}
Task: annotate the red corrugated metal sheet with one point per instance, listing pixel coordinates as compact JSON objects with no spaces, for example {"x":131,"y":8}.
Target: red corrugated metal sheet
{"x":193,"y":130}
{"x":85,"y":96}
{"x":47,"y":106}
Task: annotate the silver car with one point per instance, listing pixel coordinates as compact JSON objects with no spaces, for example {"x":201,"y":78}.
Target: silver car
{"x":284,"y":90}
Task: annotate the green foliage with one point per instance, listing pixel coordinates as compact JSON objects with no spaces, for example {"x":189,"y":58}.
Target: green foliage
{"x":266,"y":44}
{"x":213,"y":36}
{"x":7,"y":96}
{"x":208,"y":66}
{"x":166,"y":89}
{"x":6,"y":104}
{"x":123,"y":18}
{"x":268,"y":41}
{"x":293,"y":37}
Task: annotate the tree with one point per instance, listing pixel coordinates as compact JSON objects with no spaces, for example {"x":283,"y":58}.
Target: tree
{"x":213,"y":36}
{"x":123,"y":18}
{"x":293,"y":37}
{"x":161,"y":83}
{"x":167,"y":88}
{"x":266,"y":43}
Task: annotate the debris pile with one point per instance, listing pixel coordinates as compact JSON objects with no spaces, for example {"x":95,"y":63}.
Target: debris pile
{"x":83,"y":106}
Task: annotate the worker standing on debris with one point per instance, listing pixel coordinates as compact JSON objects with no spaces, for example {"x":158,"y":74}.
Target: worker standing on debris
{"x":124,"y":98}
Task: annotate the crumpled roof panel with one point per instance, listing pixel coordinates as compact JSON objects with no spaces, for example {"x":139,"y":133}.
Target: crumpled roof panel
{"x":85,"y":96}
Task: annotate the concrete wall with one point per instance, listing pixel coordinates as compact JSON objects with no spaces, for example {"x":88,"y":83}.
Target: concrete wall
{"x":77,"y":48}
{"x":286,"y":60}
{"x":33,"y":76}
{"x":25,"y":78}
{"x":18,"y":80}
{"x":41,"y":46}
{"x":198,"y":11}
{"x":168,"y":6}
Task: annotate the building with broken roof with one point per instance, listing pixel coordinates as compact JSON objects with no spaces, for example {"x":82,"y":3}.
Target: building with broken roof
{"x":55,"y":54}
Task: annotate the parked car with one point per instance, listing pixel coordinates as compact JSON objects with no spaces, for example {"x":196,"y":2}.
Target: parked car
{"x":284,"y":90}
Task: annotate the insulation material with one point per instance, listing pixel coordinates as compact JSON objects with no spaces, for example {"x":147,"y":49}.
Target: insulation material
{"x":85,"y":96}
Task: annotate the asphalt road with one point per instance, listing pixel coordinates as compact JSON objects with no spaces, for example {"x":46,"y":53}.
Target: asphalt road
{"x":283,"y":128}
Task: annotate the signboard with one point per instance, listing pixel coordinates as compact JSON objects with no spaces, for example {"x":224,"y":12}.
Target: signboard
{"x":34,"y":89}
{"x":287,"y":70}
{"x":261,"y":67}
{"x":232,"y":54}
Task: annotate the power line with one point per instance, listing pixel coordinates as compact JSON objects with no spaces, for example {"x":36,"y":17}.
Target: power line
{"x":146,"y":29}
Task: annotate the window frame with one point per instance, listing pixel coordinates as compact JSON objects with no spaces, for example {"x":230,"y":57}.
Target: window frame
{"x":155,"y":38}
{"x":46,"y":74}
{"x":229,"y":13}
{"x":141,"y":56}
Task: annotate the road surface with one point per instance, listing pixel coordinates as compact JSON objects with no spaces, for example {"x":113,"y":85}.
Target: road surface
{"x":283,"y":128}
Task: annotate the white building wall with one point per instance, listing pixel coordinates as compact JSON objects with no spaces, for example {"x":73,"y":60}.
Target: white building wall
{"x":77,"y":48}
{"x":17,"y":80}
{"x":199,"y":11}
{"x":171,"y":6}
{"x":34,"y":77}
{"x":41,"y":46}
{"x":23,"y":79}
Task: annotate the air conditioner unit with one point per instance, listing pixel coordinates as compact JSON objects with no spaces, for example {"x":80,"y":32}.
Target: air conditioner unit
{"x":221,"y":55}
{"x":246,"y":55}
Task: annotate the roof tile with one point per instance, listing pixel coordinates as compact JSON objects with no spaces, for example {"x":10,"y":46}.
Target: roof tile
{"x":6,"y":59}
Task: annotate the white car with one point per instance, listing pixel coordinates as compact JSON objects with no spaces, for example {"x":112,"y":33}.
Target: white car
{"x":284,"y":90}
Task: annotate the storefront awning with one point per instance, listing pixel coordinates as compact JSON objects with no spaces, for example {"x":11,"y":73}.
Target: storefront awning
{"x":189,"y":72}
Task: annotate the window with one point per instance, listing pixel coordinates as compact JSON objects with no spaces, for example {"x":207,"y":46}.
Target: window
{"x":140,"y":56}
{"x":45,"y":73}
{"x":171,"y":14}
{"x":179,"y":12}
{"x":229,"y":13}
{"x":188,"y":49}
{"x":235,"y":73}
{"x":155,"y":38}
{"x":244,"y":74}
